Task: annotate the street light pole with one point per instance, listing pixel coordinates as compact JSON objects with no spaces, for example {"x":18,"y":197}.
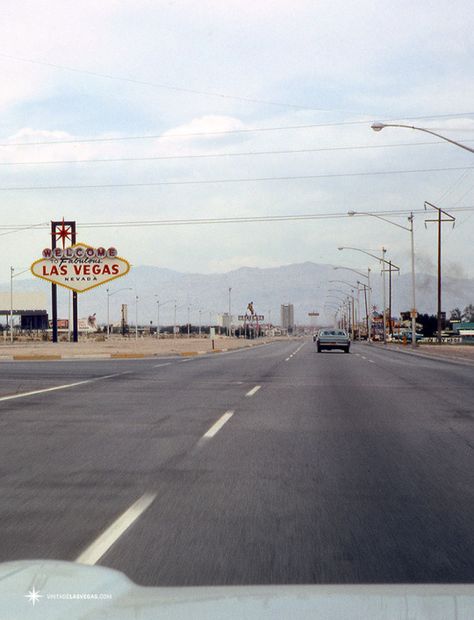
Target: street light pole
{"x":157,"y":318}
{"x":350,"y":307}
{"x":136,"y":317}
{"x":109,"y":295}
{"x":410,"y":229}
{"x":108,"y":312}
{"x":378,"y":126}
{"x":368,"y":318}
{"x":380,"y":259}
{"x":174,"y":321}
{"x":159,"y":304}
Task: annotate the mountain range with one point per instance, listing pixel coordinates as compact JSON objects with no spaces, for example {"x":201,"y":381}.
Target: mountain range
{"x":306,"y":285}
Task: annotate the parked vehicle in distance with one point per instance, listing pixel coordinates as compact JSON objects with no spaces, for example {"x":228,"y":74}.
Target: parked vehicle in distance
{"x":398,"y":337}
{"x":333,"y":339}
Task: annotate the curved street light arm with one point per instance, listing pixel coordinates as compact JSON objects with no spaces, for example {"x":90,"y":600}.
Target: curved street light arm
{"x":363,"y":252}
{"x":127,"y":288}
{"x":363,"y":275}
{"x":351,"y":284}
{"x":379,"y":126}
{"x":379,"y":217}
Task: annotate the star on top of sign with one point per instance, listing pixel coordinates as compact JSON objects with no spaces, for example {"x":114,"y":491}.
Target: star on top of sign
{"x":63,"y":233}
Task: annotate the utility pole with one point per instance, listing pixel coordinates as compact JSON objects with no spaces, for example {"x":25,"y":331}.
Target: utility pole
{"x":390,"y":328}
{"x":439,"y":220}
{"x":12,"y":269}
{"x":413,"y":283}
{"x":384,"y":298}
{"x":158,"y":318}
{"x":353,"y":316}
{"x":230,"y":315}
{"x":174,"y":321}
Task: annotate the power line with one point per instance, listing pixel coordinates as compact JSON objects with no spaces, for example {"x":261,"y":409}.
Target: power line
{"x":219,"y":155}
{"x":226,"y":181}
{"x":180,"y":135}
{"x":159,"y":85}
{"x":224,"y":132}
{"x":236,"y":220}
{"x":22,"y":228}
{"x":175,"y":88}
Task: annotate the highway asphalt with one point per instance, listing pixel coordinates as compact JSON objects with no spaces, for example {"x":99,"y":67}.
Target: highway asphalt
{"x":275,"y":465}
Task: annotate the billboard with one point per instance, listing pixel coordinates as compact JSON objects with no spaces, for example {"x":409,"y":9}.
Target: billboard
{"x":80,"y":267}
{"x":25,"y":300}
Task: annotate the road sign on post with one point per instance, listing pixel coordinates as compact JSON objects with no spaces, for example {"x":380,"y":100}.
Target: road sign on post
{"x":251,"y":317}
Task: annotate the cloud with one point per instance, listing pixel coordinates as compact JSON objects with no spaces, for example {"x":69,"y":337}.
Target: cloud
{"x":354,"y":60}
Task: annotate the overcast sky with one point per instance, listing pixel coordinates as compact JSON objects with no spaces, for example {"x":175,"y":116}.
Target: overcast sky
{"x":277,"y":64}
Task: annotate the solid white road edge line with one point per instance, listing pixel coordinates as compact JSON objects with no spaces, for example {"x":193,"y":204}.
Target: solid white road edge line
{"x":253,"y":390}
{"x":63,"y":387}
{"x":215,"y":428}
{"x":159,"y":365}
{"x":102,"y":544}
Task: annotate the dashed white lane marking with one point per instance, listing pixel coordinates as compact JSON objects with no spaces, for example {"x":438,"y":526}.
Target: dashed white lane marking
{"x":371,"y":361}
{"x":63,"y":387}
{"x":215,"y":428}
{"x":160,"y":365}
{"x":253,"y":390}
{"x":102,"y":544}
{"x":363,"y":357}
{"x":295,"y":352}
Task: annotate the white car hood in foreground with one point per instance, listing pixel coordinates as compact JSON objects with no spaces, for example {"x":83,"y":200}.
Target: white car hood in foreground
{"x":38,"y":589}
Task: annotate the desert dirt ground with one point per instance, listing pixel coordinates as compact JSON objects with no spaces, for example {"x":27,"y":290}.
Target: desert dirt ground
{"x":116,"y":345}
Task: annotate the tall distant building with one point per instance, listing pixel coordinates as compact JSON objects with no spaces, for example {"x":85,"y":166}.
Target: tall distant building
{"x":225,"y":320}
{"x":287,"y":317}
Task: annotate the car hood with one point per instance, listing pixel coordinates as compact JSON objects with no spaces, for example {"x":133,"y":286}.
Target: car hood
{"x":57,"y":590}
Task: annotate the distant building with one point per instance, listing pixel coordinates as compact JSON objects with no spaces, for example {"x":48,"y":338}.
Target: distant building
{"x":27,"y":308}
{"x":287,"y":317}
{"x":465,"y":330}
{"x":224,"y":320}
